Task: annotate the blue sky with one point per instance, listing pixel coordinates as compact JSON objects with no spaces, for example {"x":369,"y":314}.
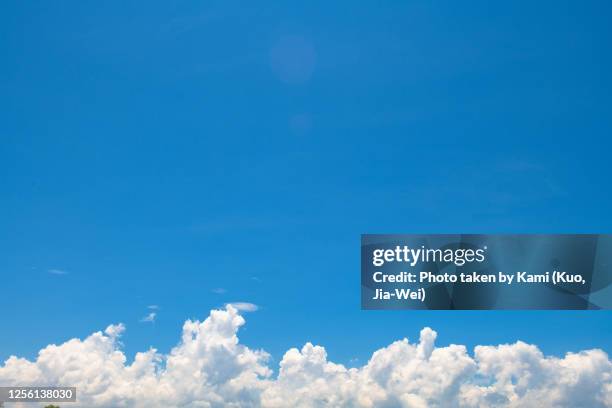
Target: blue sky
{"x":156,"y":152}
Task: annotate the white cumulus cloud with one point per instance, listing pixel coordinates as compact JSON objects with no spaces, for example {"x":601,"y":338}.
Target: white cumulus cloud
{"x":210,"y":368}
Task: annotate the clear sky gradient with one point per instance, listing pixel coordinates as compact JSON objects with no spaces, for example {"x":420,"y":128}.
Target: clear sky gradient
{"x":189,"y":154}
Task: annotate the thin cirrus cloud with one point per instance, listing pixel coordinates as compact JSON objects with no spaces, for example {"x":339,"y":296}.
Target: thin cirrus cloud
{"x":210,"y":367}
{"x":244,"y":306}
{"x":57,"y":272}
{"x":150,"y":318}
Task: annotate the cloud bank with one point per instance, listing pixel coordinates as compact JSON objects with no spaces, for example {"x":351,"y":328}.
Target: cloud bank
{"x":210,"y":368}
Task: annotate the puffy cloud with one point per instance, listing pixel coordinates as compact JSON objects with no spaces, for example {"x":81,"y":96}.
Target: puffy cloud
{"x":210,"y":368}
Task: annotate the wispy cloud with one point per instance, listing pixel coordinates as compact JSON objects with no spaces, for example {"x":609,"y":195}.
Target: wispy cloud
{"x":57,"y":272}
{"x":244,"y":306}
{"x":150,"y":318}
{"x":219,"y":291}
{"x":153,"y":307}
